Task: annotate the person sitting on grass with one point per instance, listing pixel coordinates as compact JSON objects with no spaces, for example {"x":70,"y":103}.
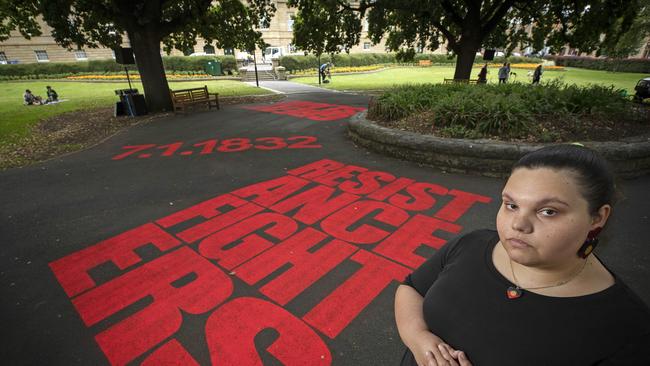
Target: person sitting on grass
{"x":52,"y":96}
{"x":532,"y":292}
{"x":31,"y":99}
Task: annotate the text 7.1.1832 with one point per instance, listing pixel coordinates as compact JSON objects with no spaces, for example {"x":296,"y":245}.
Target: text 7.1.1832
{"x":219,"y":146}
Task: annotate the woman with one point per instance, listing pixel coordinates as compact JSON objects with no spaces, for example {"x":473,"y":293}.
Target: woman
{"x":530,"y":293}
{"x":537,"y":74}
{"x":482,"y":75}
{"x":31,"y":99}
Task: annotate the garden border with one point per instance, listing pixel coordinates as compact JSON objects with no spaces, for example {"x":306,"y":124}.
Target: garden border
{"x":493,"y":158}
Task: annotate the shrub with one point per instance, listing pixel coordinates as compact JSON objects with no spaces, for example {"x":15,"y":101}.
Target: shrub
{"x":640,"y":65}
{"x":174,"y":64}
{"x":296,"y":63}
{"x":451,"y":60}
{"x":513,"y":110}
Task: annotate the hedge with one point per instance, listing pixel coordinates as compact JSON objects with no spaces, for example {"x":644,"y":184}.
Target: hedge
{"x":444,"y":59}
{"x":640,"y":65}
{"x":296,"y":63}
{"x":173,"y":64}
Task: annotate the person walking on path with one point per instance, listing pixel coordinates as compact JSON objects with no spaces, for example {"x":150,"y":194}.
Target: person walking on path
{"x":537,"y":74}
{"x":504,"y":72}
{"x":531,"y":292}
{"x":482,"y":75}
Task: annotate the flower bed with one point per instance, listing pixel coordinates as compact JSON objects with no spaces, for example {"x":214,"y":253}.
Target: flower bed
{"x":133,"y":76}
{"x":549,"y":112}
{"x":339,"y":70}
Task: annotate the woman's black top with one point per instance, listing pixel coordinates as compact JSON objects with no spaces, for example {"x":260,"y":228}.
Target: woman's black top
{"x":465,"y":304}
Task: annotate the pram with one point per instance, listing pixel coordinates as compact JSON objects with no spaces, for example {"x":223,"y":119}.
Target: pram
{"x":642,"y":89}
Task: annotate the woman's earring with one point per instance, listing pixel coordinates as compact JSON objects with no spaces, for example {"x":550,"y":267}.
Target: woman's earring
{"x":590,"y":243}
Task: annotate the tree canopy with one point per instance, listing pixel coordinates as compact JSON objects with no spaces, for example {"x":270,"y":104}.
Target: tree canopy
{"x":467,"y":26}
{"x":147,"y":24}
{"x":630,"y":41}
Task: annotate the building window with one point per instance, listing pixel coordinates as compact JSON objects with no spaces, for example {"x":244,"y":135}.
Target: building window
{"x":292,"y":48}
{"x":41,"y":56}
{"x":366,"y":45}
{"x":3,"y":58}
{"x":228,"y":51}
{"x":290,"y":21}
{"x":80,"y":55}
{"x":208,"y":49}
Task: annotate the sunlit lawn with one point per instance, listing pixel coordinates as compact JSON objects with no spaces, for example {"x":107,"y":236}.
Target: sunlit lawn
{"x":436,"y":74}
{"x":16,"y":118}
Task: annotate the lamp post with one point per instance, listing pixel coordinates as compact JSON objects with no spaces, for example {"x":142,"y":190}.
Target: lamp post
{"x":257,"y":80}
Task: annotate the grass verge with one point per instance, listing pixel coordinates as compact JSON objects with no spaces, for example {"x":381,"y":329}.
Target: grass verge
{"x":16,"y":119}
{"x":392,"y":77}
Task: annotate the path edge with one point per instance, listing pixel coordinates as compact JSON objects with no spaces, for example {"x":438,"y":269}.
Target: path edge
{"x":484,"y":157}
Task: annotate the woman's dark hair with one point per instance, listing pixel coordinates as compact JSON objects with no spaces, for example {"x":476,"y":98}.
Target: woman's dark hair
{"x":27,"y":91}
{"x":592,"y":172}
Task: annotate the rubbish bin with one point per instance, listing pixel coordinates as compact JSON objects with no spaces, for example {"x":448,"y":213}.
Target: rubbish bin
{"x":131,"y":103}
{"x":213,"y":67}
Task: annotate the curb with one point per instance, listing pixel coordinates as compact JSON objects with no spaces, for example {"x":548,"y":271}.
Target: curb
{"x":484,"y":157}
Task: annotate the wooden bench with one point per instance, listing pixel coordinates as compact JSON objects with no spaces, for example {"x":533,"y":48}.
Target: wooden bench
{"x":461,"y":81}
{"x":183,"y":98}
{"x":424,"y":63}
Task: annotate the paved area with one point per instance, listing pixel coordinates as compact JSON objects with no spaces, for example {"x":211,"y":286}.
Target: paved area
{"x":257,"y":232}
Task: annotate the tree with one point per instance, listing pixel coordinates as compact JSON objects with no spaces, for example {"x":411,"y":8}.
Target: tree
{"x":630,"y":41}
{"x":147,"y":23}
{"x":319,"y":29}
{"x":469,"y":25}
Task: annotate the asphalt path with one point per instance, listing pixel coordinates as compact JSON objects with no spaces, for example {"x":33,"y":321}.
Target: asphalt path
{"x":101,"y":248}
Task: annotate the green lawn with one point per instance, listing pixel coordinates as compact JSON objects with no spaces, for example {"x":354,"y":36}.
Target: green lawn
{"x":435,"y":74}
{"x":16,"y":118}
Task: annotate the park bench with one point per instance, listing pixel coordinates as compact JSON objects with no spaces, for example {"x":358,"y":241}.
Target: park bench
{"x":424,"y":63}
{"x":183,"y":98}
{"x":461,"y":81}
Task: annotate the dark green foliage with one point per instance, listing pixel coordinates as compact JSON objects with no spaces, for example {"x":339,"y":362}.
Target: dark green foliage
{"x":173,"y":64}
{"x":606,"y":64}
{"x":295,"y":63}
{"x":513,"y":110}
{"x":147,"y":23}
{"x":464,"y":27}
{"x":451,"y":60}
{"x":405,"y":55}
{"x":181,"y":63}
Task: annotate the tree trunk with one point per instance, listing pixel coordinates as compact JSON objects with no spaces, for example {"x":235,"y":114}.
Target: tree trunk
{"x":146,"y":47}
{"x":466,"y":54}
{"x":470,"y":42}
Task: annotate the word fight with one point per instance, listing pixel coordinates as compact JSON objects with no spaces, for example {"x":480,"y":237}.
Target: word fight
{"x":223,"y":146}
{"x":277,"y":238}
{"x":310,"y":110}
